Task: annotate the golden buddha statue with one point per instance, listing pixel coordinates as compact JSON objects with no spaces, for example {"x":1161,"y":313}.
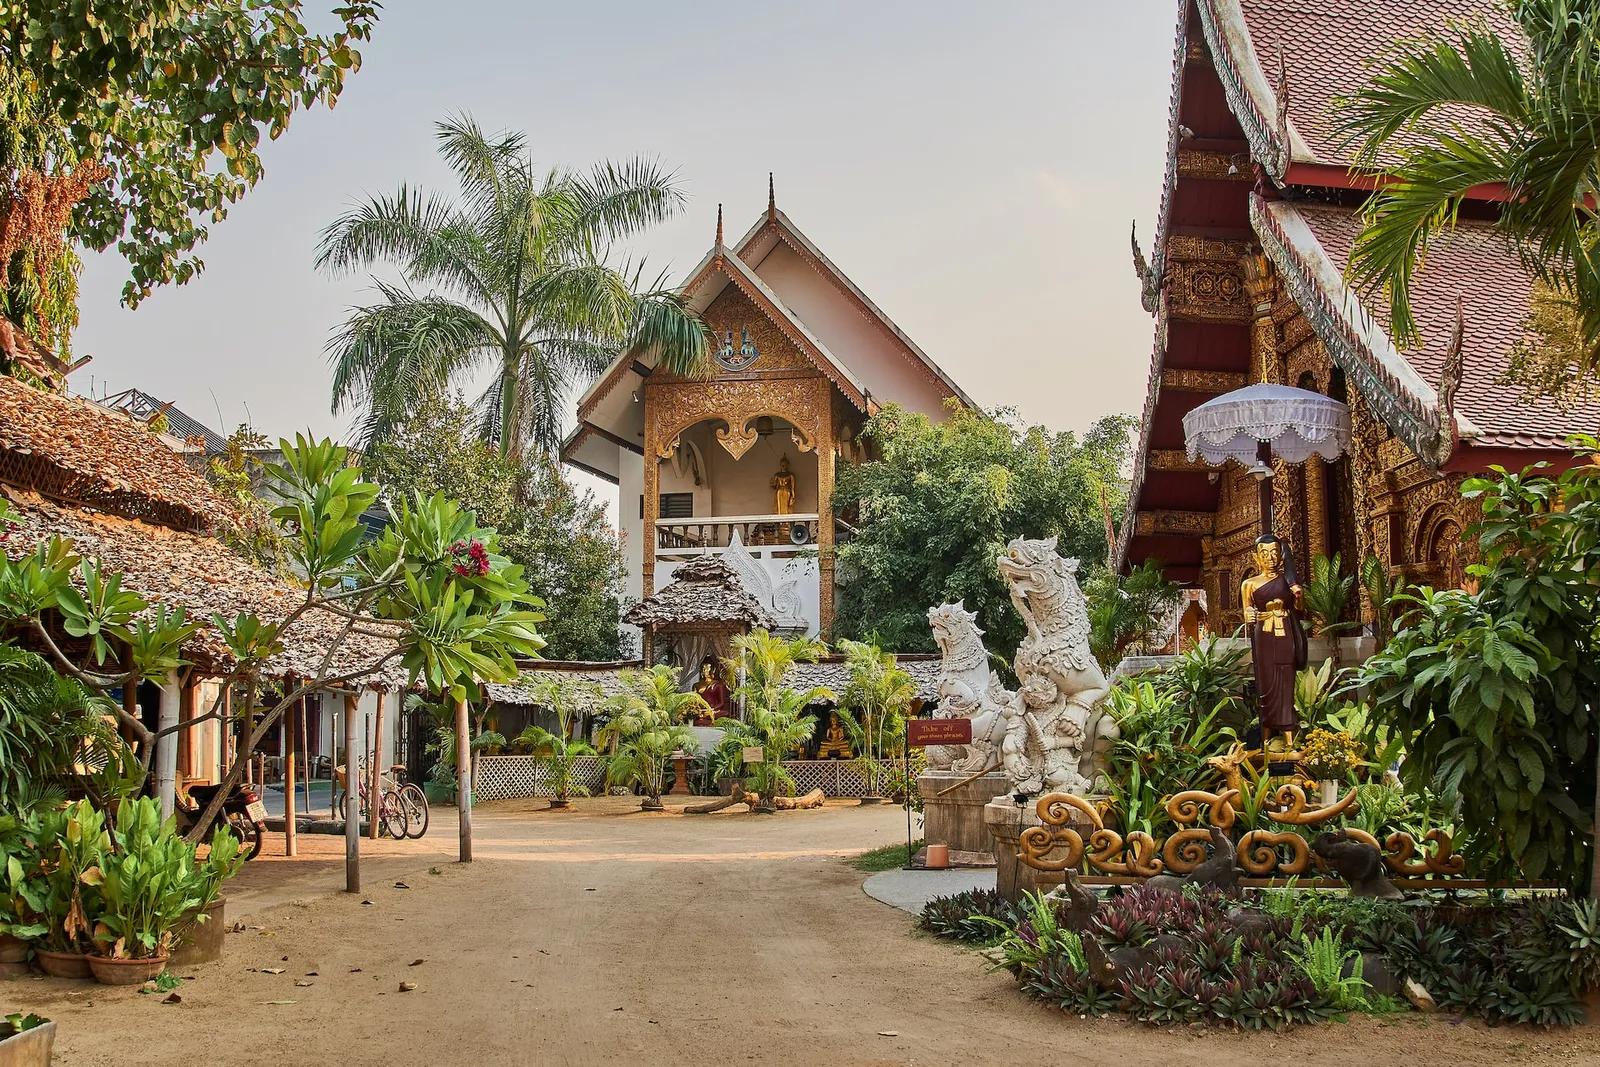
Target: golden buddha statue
{"x":711,"y":689}
{"x":783,"y":489}
{"x":834,"y":745}
{"x":1272,"y":612}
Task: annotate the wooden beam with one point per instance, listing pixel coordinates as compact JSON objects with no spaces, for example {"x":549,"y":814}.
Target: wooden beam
{"x":374,"y":788}
{"x":352,"y":805}
{"x":464,"y":778}
{"x":621,"y":442}
{"x":1173,"y":459}
{"x":1215,"y":382}
{"x":1173,"y":523}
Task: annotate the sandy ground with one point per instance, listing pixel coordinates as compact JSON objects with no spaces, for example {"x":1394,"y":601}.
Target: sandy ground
{"x":605,"y":936}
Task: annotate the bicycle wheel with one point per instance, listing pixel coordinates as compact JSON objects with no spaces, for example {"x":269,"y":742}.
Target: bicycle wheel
{"x":416,"y":805}
{"x":393,"y":815}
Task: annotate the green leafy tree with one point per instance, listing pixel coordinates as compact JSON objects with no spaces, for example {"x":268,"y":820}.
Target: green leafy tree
{"x":139,"y":122}
{"x":1460,"y":108}
{"x":456,"y":611}
{"x":1497,"y":694}
{"x":874,"y":706}
{"x":645,"y":728}
{"x":570,"y":554}
{"x":1125,"y":611}
{"x":516,"y":277}
{"x":938,"y":507}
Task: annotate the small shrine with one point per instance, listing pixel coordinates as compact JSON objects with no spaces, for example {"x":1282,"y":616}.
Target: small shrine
{"x":694,"y":617}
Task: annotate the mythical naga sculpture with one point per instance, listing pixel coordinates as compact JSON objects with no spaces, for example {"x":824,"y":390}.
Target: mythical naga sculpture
{"x":1058,"y":738}
{"x":967,"y":689}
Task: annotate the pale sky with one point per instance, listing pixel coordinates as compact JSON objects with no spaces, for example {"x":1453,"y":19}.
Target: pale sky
{"x":974,"y":168}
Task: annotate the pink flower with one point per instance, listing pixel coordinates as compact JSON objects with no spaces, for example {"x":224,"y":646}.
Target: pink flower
{"x":469,"y":559}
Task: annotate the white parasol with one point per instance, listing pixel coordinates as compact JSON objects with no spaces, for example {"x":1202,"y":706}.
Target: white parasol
{"x":1295,"y":424}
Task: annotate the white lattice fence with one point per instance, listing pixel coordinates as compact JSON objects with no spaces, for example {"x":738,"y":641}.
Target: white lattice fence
{"x":836,"y":778}
{"x":508,"y":777}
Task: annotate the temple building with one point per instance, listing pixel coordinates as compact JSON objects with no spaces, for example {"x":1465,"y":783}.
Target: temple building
{"x":741,"y":463}
{"x":1246,"y":283}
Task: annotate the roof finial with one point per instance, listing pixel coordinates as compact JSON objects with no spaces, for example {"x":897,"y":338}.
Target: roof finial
{"x":772,"y":198}
{"x":719,"y":225}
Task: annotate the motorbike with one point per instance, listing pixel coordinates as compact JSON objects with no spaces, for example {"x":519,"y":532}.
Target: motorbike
{"x":242,"y":811}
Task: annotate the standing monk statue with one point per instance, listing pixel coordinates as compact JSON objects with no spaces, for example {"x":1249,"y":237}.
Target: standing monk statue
{"x":1272,"y":611}
{"x":783,"y":489}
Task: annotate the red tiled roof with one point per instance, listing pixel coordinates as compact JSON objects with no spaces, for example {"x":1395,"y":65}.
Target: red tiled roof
{"x":72,"y":450}
{"x":1329,"y":47}
{"x":1470,"y":264}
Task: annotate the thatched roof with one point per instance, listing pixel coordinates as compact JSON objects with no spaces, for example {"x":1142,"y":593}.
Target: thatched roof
{"x":74,"y":451}
{"x":203,"y":576}
{"x":704,"y":591}
{"x":830,"y":672}
{"x":607,"y":677}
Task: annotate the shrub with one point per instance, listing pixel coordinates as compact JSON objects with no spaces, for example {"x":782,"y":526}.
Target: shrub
{"x":956,"y":917}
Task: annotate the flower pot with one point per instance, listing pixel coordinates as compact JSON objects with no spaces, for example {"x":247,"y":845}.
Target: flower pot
{"x":1330,"y":792}
{"x":31,"y":1048}
{"x":872,"y":798}
{"x":558,"y":803}
{"x":63,"y":964}
{"x":108,"y":971}
{"x":200,"y":942}
{"x":937,"y":857}
{"x":13,"y":957}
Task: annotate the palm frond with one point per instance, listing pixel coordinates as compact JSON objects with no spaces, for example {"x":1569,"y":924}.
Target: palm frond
{"x":618,"y":200}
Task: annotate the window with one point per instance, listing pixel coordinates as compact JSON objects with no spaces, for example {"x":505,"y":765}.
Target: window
{"x":677,"y":505}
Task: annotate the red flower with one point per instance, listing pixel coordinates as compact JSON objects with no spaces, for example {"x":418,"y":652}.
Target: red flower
{"x":469,"y":559}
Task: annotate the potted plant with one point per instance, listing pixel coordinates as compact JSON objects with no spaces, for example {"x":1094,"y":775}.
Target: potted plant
{"x":26,"y":1040}
{"x":151,"y":885}
{"x":1328,"y":756}
{"x":22,"y":894}
{"x":73,"y":843}
{"x":646,"y":728}
{"x":557,"y":751}
{"x":775,"y":724}
{"x":199,"y":938}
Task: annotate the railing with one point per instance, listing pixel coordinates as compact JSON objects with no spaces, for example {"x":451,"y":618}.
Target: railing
{"x":697,"y":536}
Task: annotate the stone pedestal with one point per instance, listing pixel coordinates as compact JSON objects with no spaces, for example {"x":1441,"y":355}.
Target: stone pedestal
{"x":680,"y":776}
{"x":956,"y":819}
{"x":1005,"y":820}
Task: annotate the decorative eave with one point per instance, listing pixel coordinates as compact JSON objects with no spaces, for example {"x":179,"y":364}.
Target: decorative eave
{"x":1250,"y":94}
{"x":1355,"y":341}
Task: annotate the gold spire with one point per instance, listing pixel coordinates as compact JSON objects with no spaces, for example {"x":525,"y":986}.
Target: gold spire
{"x":719,"y":225}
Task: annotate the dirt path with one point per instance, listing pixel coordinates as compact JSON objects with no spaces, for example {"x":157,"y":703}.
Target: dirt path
{"x":605,"y":937}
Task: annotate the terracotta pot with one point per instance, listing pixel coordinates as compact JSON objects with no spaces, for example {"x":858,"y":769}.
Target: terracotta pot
{"x":557,"y":802}
{"x":108,"y":971}
{"x":13,"y":957}
{"x":31,"y":1048}
{"x":200,"y":942}
{"x":937,"y":857}
{"x":63,"y":964}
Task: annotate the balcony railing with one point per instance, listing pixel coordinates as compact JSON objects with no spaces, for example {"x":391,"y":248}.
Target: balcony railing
{"x":698,"y":536}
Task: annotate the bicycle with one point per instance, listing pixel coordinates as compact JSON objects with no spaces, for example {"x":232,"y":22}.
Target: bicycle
{"x":402,"y":809}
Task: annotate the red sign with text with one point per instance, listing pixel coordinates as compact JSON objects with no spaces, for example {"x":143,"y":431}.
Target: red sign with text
{"x":923,"y":732}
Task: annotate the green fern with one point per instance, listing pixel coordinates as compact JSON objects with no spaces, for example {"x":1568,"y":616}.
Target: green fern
{"x":1323,"y":959}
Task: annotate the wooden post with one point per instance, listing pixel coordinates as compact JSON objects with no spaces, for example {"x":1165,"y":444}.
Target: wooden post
{"x":464,"y":778}
{"x":290,"y":846}
{"x":352,"y":809}
{"x":373,"y":789}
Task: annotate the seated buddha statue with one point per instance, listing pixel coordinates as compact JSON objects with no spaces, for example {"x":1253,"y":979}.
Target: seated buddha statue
{"x":834,"y":745}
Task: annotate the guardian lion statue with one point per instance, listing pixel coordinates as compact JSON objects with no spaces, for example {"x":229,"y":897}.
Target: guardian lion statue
{"x":1058,"y":738}
{"x":967,"y":689}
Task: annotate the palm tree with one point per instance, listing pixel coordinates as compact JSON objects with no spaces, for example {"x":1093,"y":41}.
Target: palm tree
{"x":513,"y":276}
{"x":774,"y":721}
{"x":1533,"y":126}
{"x":646,"y":728}
{"x":763,"y":660}
{"x":876,"y":700}
{"x":557,"y":750}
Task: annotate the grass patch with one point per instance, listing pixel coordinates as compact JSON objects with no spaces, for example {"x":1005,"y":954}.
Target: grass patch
{"x":887,"y":858}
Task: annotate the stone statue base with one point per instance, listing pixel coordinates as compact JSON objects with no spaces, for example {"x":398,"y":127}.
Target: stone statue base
{"x":1005,"y":820}
{"x":956,"y":819}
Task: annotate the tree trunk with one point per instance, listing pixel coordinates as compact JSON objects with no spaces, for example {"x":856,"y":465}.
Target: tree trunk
{"x":464,"y":780}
